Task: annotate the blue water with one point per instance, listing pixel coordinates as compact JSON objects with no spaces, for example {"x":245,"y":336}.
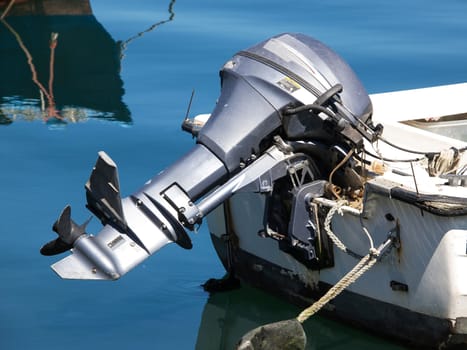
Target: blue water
{"x":132,"y":107}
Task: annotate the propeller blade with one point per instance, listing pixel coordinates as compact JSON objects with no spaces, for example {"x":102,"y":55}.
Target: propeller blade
{"x":68,"y":231}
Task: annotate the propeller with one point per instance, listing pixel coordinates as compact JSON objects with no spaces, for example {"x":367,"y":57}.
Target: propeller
{"x":68,"y":232}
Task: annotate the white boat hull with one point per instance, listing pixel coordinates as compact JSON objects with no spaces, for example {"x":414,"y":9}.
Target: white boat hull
{"x":415,"y":294}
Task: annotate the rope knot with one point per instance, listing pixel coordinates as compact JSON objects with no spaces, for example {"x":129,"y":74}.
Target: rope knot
{"x":339,"y":206}
{"x":374,"y":253}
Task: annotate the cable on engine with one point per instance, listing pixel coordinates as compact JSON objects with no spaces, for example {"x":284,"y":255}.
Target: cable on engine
{"x":310,"y":107}
{"x":331,"y":174}
{"x":392,"y":160}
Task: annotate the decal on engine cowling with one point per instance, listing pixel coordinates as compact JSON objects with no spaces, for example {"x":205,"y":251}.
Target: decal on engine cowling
{"x":288,"y":84}
{"x":116,"y":242}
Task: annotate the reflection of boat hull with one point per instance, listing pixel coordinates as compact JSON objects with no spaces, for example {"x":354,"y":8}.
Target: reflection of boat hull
{"x":228,"y":316}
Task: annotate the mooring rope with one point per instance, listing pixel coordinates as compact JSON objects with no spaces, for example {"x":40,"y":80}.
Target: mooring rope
{"x":363,"y":265}
{"x":327,"y":225}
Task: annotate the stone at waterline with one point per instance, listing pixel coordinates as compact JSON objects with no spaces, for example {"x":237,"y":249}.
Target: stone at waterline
{"x":283,"y":335}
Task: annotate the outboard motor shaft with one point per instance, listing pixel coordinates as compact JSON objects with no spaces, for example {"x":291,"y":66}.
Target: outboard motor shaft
{"x":265,"y":93}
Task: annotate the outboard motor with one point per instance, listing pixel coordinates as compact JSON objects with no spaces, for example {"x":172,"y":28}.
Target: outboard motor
{"x":290,"y":87}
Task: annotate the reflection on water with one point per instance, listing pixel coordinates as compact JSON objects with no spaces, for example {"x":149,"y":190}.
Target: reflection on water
{"x":124,"y":44}
{"x":59,"y":64}
{"x":228,"y":316}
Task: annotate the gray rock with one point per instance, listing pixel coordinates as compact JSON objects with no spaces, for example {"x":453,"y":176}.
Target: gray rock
{"x":283,"y":335}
